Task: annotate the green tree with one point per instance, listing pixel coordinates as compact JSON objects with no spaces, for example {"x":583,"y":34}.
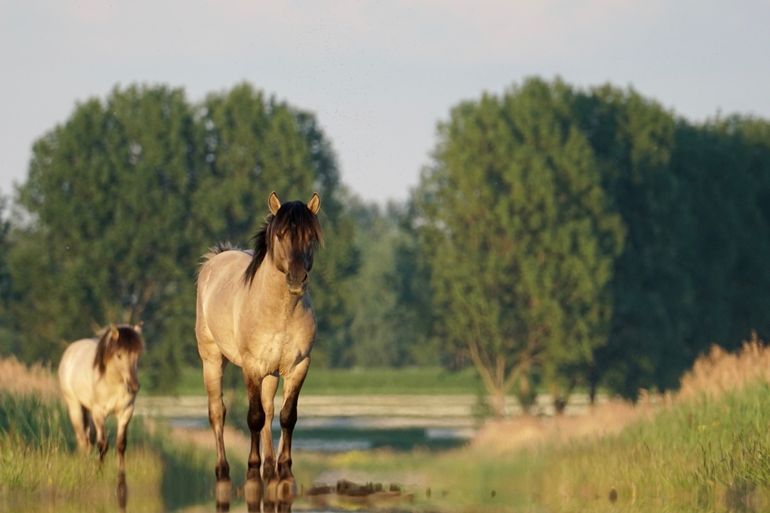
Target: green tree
{"x":520,"y":238}
{"x":125,"y":197}
{"x":387,"y":327}
{"x":109,"y":193}
{"x":633,"y":139}
{"x":5,"y":279}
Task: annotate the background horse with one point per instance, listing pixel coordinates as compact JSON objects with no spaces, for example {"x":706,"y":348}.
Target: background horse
{"x":253,"y":310}
{"x":98,"y":377}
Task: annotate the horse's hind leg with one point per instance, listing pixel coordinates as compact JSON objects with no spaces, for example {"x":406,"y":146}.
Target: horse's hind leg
{"x":79,"y":421}
{"x":212,"y":378}
{"x":291,"y":387}
{"x":88,"y":427}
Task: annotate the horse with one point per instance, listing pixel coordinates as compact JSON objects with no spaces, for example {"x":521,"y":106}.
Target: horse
{"x":98,"y":377}
{"x":253,"y":310}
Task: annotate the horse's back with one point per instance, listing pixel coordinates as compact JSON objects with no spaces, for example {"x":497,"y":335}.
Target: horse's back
{"x":220,"y":284}
{"x":76,"y":371}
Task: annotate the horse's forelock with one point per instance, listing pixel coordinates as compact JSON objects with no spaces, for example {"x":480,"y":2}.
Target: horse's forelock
{"x":294,"y":218}
{"x":128,"y":339}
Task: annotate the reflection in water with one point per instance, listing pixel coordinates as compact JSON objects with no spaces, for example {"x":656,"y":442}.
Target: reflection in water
{"x":122,"y":492}
{"x":276,"y":497}
{"x":222,"y":492}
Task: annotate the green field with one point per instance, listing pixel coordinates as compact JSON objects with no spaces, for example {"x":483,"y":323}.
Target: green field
{"x":356,"y":381}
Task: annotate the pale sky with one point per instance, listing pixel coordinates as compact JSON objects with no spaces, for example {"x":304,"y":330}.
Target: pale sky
{"x":378,"y":75}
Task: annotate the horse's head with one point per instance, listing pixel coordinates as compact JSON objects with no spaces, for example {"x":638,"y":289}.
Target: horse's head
{"x":292,"y":233}
{"x":118,"y":352}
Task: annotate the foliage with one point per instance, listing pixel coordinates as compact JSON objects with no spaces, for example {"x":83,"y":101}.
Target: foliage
{"x":520,"y":238}
{"x":125,"y":196}
{"x":559,"y":237}
{"x":693,"y":201}
{"x":388,"y":306}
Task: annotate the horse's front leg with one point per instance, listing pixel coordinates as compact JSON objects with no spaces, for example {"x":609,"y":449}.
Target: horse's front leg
{"x":212,"y":378}
{"x":124,"y":417}
{"x":255,"y":420}
{"x":292,"y":385}
{"x":269,"y":386}
{"x":101,"y":437}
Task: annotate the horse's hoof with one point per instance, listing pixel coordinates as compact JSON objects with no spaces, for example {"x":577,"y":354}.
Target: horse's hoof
{"x":222,"y":472}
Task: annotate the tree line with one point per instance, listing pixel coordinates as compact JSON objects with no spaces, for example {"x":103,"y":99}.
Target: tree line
{"x":558,"y":237}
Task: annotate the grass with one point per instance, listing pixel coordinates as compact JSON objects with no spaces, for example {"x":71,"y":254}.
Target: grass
{"x":706,"y":448}
{"x":40,"y":469}
{"x":356,"y":381}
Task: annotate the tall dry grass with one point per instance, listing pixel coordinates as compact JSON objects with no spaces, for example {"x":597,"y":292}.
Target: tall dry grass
{"x":718,"y":371}
{"x":712,"y":375}
{"x":18,"y":378}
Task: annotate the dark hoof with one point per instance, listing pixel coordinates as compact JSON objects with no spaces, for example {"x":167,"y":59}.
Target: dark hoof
{"x":252,"y":474}
{"x":222,"y":471}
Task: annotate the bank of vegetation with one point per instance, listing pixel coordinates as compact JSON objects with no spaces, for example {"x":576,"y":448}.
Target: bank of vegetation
{"x":704,"y":448}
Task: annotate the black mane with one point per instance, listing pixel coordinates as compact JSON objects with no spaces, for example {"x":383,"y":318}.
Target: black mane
{"x":294,"y":219}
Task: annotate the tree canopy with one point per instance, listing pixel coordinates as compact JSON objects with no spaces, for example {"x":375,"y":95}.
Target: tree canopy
{"x":126,"y":195}
{"x":520,"y":238}
{"x":558,"y":237}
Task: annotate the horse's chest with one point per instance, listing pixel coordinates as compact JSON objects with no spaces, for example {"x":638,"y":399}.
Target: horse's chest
{"x":113,"y":398}
{"x":276,"y":351}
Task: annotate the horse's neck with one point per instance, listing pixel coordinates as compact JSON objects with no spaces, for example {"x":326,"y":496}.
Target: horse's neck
{"x":272,"y":292}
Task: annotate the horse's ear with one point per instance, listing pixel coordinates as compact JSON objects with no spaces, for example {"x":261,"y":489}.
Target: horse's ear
{"x":138,"y":327}
{"x":273,"y":203}
{"x":114,"y":334}
{"x":314,"y":205}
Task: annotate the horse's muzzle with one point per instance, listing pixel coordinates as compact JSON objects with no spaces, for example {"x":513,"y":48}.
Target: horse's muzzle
{"x":297,"y":290}
{"x":296,"y":286}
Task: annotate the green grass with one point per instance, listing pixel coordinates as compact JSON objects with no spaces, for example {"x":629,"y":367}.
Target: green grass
{"x":40,"y":469}
{"x":357,"y":381}
{"x":701,"y":455}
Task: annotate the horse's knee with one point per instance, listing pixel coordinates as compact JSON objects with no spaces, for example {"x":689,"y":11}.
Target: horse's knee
{"x":288,"y":417}
{"x":120,"y":446}
{"x":256,"y":417}
{"x":217,"y":413}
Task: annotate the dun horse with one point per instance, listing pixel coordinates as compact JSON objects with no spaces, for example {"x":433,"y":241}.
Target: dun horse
{"x":98,"y":377}
{"x":253,"y":310}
